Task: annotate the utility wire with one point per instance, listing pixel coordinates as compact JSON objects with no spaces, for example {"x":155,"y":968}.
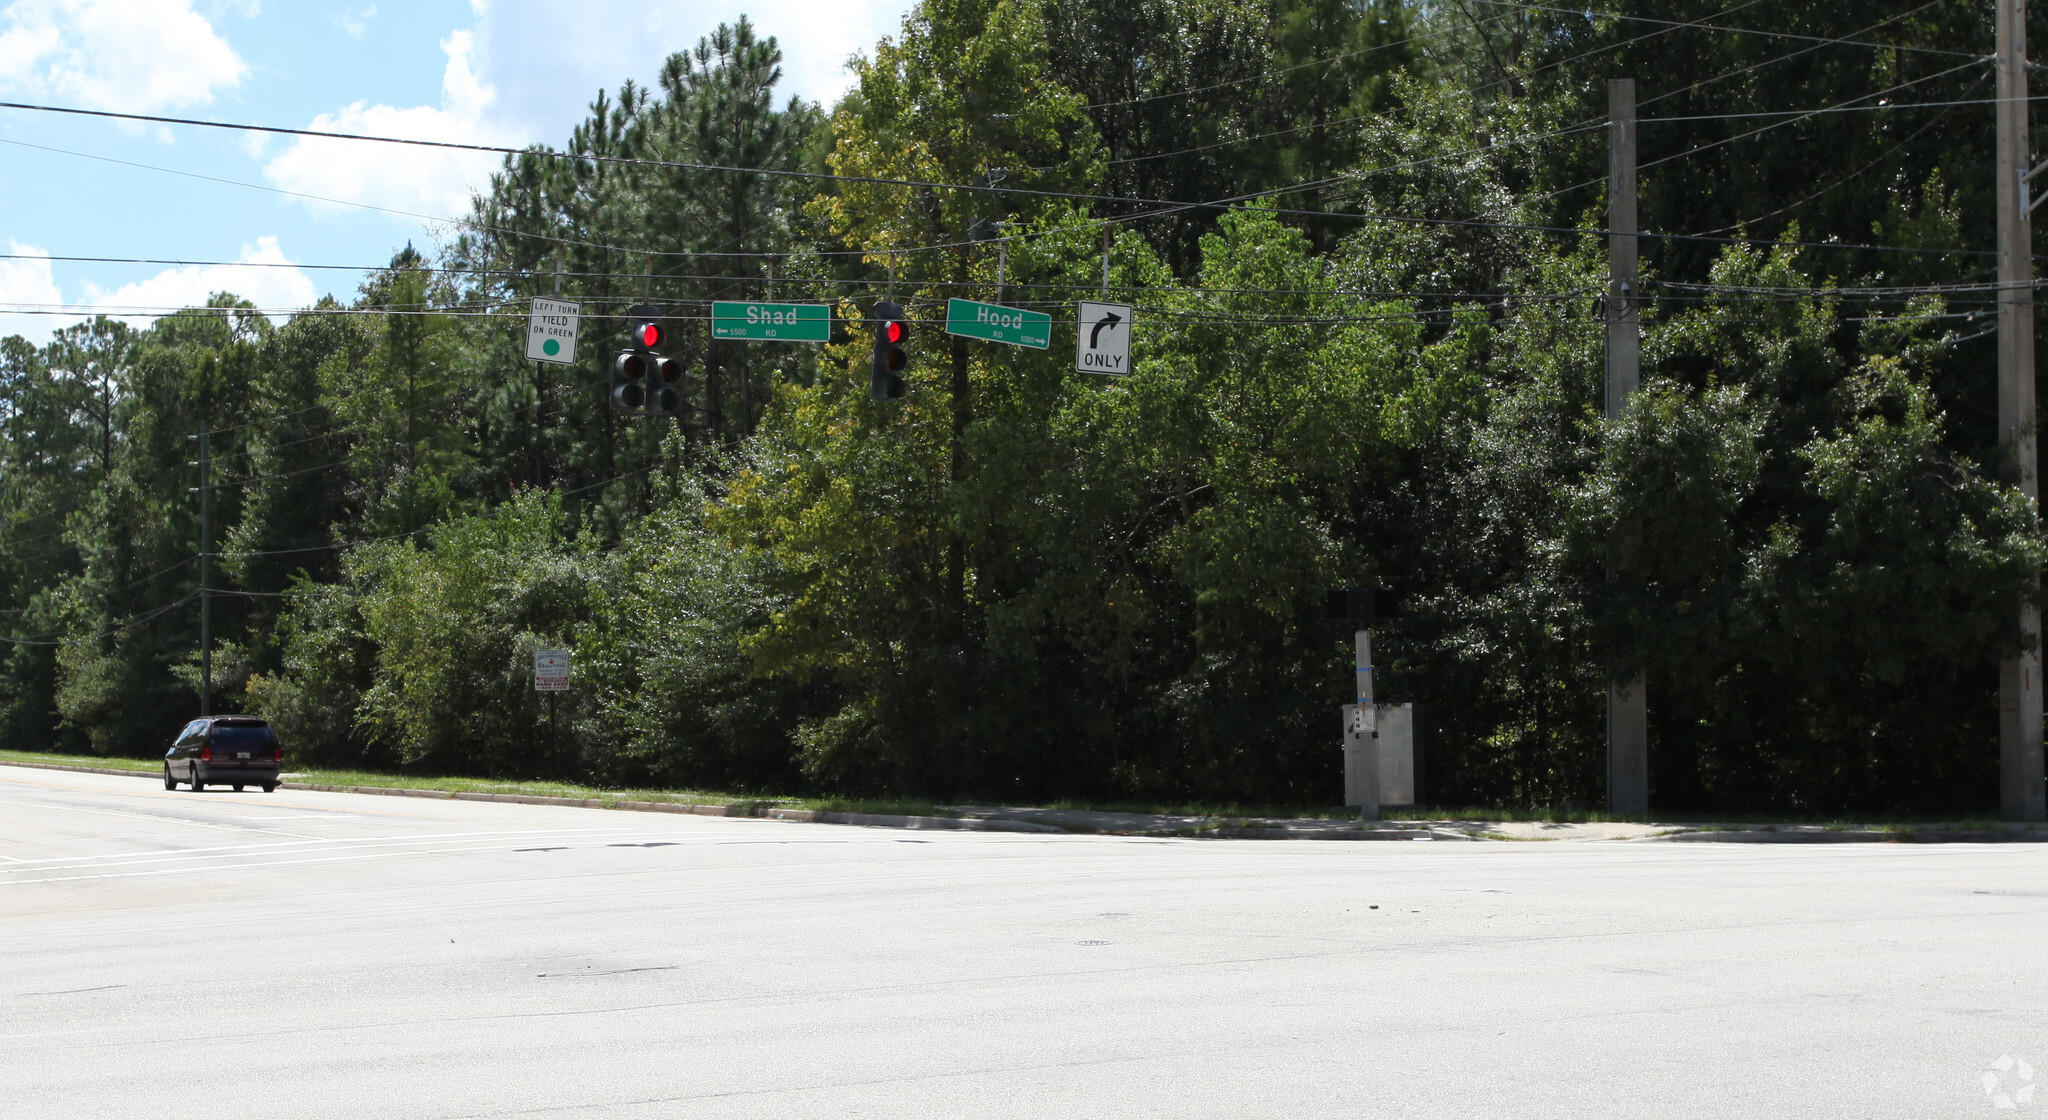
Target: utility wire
{"x":1676,"y":24}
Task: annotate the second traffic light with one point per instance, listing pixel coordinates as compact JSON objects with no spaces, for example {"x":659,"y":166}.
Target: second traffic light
{"x":643,"y":380}
{"x":892,"y":330}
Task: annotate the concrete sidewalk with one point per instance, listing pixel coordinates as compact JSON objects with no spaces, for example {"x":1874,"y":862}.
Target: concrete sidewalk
{"x":1315,"y":828}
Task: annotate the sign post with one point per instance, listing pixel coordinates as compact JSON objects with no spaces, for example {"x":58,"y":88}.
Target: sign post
{"x":993,"y":322}
{"x":551,"y":675}
{"x":551,"y":331}
{"x":771,"y":322}
{"x":1102,"y":342}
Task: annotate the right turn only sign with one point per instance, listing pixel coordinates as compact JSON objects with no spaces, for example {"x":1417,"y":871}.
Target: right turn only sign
{"x":1103,"y":339}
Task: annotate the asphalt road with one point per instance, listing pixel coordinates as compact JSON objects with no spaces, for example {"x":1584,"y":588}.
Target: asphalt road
{"x":327,"y":955}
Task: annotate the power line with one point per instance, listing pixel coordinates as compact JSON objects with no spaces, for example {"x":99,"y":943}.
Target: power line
{"x":1802,"y":114}
{"x":1269,"y":74}
{"x":1676,"y":24}
{"x":1807,"y":114}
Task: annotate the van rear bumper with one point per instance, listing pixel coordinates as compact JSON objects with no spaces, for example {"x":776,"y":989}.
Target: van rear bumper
{"x":228,"y":773}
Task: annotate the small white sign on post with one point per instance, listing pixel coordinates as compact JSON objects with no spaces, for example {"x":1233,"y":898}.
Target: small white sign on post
{"x":551,"y":331}
{"x":1102,"y":342}
{"x":551,"y":670}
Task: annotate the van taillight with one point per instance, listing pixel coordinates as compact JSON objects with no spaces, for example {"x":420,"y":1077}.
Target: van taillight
{"x":206,"y":754}
{"x":277,"y":753}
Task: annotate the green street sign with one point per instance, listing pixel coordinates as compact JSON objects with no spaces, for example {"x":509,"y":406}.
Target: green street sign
{"x":992,"y":322}
{"x":772,"y":322}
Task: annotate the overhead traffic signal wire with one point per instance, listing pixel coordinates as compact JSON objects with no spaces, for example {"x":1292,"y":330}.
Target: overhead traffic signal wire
{"x":1164,"y":206}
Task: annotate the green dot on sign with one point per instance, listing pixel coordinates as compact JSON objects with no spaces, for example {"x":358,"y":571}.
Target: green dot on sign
{"x":551,"y":347}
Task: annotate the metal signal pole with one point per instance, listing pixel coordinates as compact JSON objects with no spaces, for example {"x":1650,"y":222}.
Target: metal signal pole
{"x":1628,"y":721}
{"x":2020,"y":792}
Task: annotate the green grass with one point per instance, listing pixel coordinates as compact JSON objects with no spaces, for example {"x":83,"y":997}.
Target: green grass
{"x":139,"y":765}
{"x":1216,"y":815}
{"x":526,"y":788}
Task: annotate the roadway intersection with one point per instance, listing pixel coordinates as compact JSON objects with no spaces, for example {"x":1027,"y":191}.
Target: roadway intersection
{"x":303,"y":954}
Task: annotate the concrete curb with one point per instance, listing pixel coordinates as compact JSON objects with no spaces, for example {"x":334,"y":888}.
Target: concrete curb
{"x":806,"y":816}
{"x":816,"y":816}
{"x":86,"y":769}
{"x":2019,"y":834}
{"x":1855,"y":836}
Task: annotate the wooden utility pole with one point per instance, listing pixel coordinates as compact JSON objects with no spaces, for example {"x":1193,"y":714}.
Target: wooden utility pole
{"x":2020,"y":794}
{"x":205,"y":572}
{"x":1628,"y":723}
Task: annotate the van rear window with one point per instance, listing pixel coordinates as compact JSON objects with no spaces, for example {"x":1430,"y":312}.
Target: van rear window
{"x":243,"y":735}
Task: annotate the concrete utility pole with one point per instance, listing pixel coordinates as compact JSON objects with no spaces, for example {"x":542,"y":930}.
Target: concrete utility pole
{"x":1361,"y":736}
{"x":2020,"y":793}
{"x":1628,"y":721}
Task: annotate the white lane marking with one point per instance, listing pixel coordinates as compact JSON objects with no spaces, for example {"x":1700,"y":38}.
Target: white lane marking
{"x":499,"y":844}
{"x":231,"y":849}
{"x":166,"y":819}
{"x":354,"y":857}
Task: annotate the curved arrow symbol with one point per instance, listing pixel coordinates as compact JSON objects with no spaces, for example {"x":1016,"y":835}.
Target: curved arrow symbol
{"x":1095,"y":336}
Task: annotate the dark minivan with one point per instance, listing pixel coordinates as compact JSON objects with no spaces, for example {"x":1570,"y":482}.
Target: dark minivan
{"x":224,"y":751}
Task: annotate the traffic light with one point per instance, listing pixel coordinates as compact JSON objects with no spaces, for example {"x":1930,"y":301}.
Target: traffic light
{"x":643,"y":380}
{"x":892,"y":330}
{"x":630,"y":366}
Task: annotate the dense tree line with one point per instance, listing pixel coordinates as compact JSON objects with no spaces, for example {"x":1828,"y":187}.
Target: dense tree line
{"x":1362,"y":237}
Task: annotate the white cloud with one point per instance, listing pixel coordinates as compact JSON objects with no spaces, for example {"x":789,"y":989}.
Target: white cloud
{"x":428,"y":181}
{"x":262,"y":275}
{"x":27,"y":284}
{"x":132,"y":55}
{"x":357,"y":25}
{"x":547,"y":69}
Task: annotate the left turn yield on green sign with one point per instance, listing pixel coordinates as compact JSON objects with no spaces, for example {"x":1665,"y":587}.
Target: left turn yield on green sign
{"x":993,"y":322}
{"x":551,"y":331}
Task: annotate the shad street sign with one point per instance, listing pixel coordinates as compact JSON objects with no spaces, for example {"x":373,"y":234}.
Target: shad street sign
{"x":772,"y":322}
{"x":992,"y":322}
{"x":551,"y":331}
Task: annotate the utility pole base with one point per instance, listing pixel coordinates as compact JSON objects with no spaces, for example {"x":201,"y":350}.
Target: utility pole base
{"x":1628,"y":749}
{"x":2021,"y":795}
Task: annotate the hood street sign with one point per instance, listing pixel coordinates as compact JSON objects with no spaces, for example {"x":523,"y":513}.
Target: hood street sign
{"x":772,"y":322}
{"x":551,"y":331}
{"x":993,"y":322}
{"x":1102,"y":342}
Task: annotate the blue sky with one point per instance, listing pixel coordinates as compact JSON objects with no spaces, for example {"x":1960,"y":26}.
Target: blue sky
{"x":490,"y":71}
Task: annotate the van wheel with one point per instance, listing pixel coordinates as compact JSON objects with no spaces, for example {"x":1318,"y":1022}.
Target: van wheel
{"x":197,"y":785}
{"x":270,"y":787}
{"x":238,"y":787}
{"x":169,"y":782}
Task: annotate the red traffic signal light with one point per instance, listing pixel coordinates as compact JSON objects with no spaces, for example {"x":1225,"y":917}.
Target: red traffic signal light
{"x":647,"y":335}
{"x":892,"y":330}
